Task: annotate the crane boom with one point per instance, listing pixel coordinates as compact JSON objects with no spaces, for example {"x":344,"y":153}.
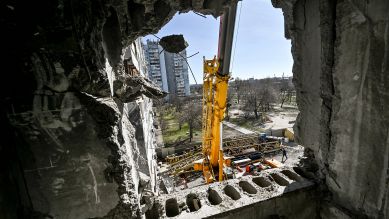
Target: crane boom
{"x":226,"y":36}
{"x":215,"y":86}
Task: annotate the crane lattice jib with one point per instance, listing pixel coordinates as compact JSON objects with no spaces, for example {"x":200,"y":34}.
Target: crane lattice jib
{"x":214,"y":106}
{"x":210,"y":68}
{"x":215,"y":86}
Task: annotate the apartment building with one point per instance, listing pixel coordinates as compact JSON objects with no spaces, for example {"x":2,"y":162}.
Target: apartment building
{"x":168,"y":70}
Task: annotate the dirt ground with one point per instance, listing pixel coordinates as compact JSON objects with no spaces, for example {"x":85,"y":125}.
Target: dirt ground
{"x":229,"y":132}
{"x":279,"y":118}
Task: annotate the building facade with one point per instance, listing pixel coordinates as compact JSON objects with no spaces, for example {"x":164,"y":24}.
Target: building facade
{"x":168,"y":70}
{"x":155,"y":59}
{"x":141,"y":116}
{"x":134,"y":60}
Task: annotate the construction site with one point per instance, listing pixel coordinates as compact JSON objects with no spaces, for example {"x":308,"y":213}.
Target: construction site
{"x":100,"y":120}
{"x":243,"y":151}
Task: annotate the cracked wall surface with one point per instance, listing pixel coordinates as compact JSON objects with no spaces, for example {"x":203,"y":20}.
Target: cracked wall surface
{"x":68,"y":141}
{"x":76,"y":149}
{"x":341,"y":74}
{"x":274,"y":193}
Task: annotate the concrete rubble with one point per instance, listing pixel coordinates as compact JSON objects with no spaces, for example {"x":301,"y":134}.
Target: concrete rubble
{"x":79,"y":124}
{"x":226,"y":199}
{"x":73,"y":121}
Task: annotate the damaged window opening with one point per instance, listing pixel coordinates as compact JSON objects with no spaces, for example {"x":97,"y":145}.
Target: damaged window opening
{"x":257,"y":131}
{"x":195,"y":109}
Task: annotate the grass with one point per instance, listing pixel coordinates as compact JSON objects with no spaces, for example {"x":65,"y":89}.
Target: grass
{"x":173,"y":133}
{"x":169,"y":116}
{"x":251,"y":123}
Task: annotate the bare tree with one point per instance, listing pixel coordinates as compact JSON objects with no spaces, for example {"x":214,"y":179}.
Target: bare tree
{"x":286,"y":90}
{"x":283,"y":90}
{"x":291,"y":90}
{"x":251,"y":98}
{"x":268,"y":98}
{"x":191,"y":114}
{"x":162,"y":123}
{"x":162,"y":110}
{"x":252,"y":102}
{"x":259,"y":96}
{"x":196,"y":89}
{"x":178,"y":102}
{"x":239,"y":88}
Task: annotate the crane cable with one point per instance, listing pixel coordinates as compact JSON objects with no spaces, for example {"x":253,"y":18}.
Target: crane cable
{"x":185,"y":59}
{"x":188,"y":64}
{"x":236,"y":36}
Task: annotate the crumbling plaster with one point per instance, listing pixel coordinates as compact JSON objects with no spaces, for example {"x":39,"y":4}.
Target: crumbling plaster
{"x":57,"y":63}
{"x":67,"y":110}
{"x":341,"y":74}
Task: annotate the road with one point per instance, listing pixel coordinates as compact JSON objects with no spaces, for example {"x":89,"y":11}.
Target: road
{"x":238,"y":128}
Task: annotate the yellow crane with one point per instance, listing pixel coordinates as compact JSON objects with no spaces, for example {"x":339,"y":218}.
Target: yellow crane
{"x":215,"y":86}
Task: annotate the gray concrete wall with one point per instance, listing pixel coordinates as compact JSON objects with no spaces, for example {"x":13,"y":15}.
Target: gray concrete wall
{"x":274,"y":193}
{"x":360,"y":113}
{"x":82,"y":156}
{"x":298,"y":204}
{"x":73,"y":151}
{"x":341,"y":75}
{"x":185,"y":74}
{"x":171,"y":77}
{"x":340,"y":49}
{"x":141,"y":116}
{"x":62,"y":159}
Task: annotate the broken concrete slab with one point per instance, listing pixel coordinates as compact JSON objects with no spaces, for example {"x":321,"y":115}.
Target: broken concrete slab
{"x":232,"y":197}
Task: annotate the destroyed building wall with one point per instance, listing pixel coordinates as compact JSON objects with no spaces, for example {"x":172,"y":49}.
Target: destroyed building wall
{"x":341,"y":73}
{"x":141,"y":116}
{"x":274,"y":193}
{"x":73,"y":151}
{"x":150,"y":141}
{"x":67,"y":91}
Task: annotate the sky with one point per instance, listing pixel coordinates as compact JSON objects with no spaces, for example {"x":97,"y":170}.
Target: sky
{"x":261,"y":49}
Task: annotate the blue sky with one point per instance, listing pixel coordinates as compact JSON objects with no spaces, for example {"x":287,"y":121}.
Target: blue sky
{"x":261,"y":50}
